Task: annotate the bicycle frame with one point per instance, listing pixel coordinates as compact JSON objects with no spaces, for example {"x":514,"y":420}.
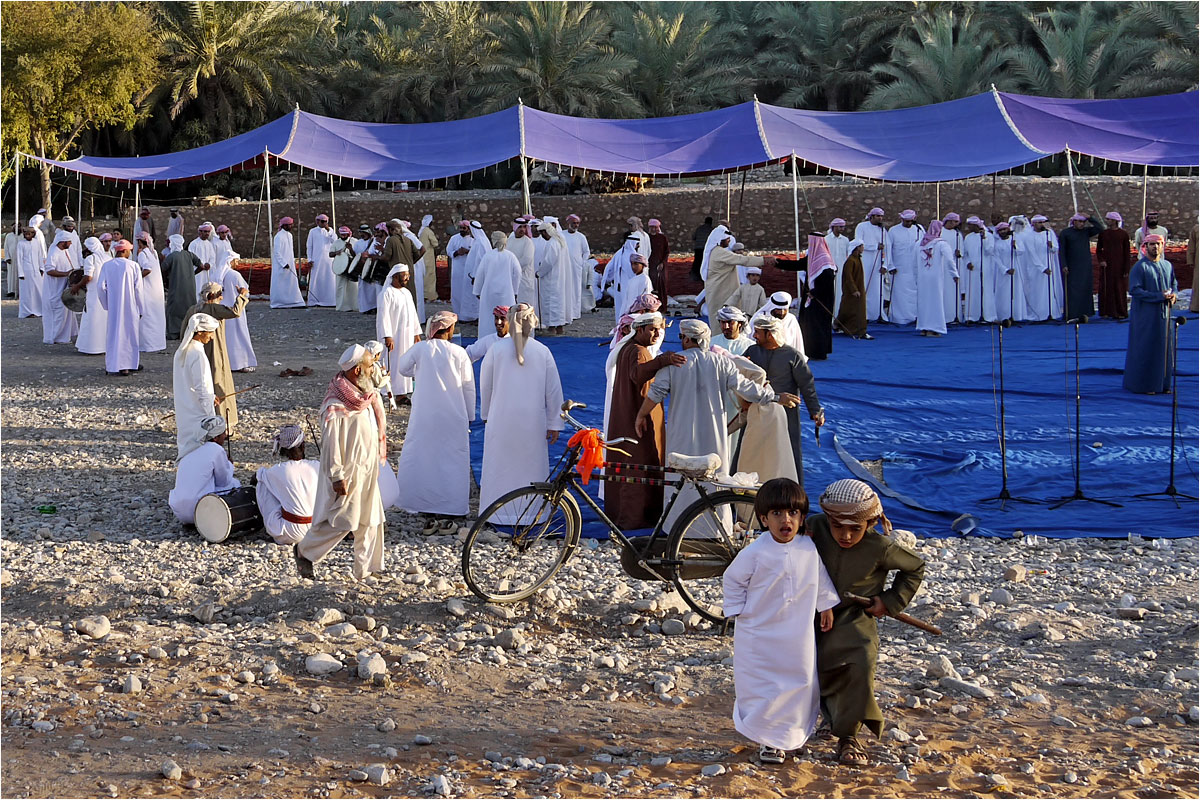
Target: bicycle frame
{"x":565,"y":481}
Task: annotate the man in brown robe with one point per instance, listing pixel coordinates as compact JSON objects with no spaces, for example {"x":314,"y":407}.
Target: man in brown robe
{"x":634,"y":506}
{"x":398,"y":249}
{"x":852,"y":315}
{"x":660,"y":253}
{"x":1113,"y":257}
{"x":218,"y":355}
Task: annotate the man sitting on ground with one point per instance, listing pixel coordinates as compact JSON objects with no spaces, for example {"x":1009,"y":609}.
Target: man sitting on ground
{"x":205,"y":470}
{"x":287,"y":491}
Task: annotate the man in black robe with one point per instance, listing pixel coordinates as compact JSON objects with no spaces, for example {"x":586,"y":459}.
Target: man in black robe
{"x":1075,"y":258}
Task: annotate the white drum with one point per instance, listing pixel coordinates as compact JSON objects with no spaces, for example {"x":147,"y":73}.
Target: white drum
{"x":228,"y":514}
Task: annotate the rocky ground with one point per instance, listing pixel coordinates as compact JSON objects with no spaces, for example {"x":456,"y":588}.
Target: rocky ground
{"x":140,"y":661}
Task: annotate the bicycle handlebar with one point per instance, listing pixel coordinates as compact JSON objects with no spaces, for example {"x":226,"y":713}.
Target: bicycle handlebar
{"x":566,"y":415}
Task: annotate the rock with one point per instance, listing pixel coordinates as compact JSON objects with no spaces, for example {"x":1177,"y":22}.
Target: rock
{"x":1139,"y":722}
{"x":902,"y":774}
{"x":204,"y":613}
{"x":132,"y":685}
{"x":386,"y":726}
{"x":341,"y":629}
{"x":996,"y":779}
{"x":6,"y":578}
{"x":674,"y":627}
{"x":897,"y":735}
{"x":1127,"y":601}
{"x":969,"y":598}
{"x":500,"y":612}
{"x":1001,"y":596}
{"x":322,"y":664}
{"x":356,"y":775}
{"x":441,"y":785}
{"x":1016,"y":573}
{"x":171,"y":771}
{"x":602,"y":779}
{"x":1137,"y":614}
{"x":1062,"y":722}
{"x":712,"y":770}
{"x":363,"y":623}
{"x":378,"y":775}
{"x":245,"y":676}
{"x":660,"y":761}
{"x":328,"y":616}
{"x":966,"y":687}
{"x":156,"y":652}
{"x":456,"y":607}
{"x":42,"y":726}
{"x":422,"y":739}
{"x":371,"y":665}
{"x":94,"y":627}
{"x":1070,"y":777}
{"x":510,"y":639}
{"x":941,"y":667}
{"x":1194,"y":713}
{"x":904,"y":538}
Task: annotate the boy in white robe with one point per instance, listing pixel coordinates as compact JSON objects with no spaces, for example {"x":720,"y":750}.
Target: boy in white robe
{"x":287,"y":491}
{"x":749,"y":296}
{"x":434,"y":471}
{"x":204,"y":470}
{"x":119,"y":290}
{"x":520,"y":393}
{"x":636,"y":284}
{"x":775,"y":587}
{"x":396,"y":325}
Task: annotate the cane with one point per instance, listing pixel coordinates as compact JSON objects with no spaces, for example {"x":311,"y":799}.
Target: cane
{"x":1049,"y":282}
{"x":881,"y":275}
{"x":1012,"y":279}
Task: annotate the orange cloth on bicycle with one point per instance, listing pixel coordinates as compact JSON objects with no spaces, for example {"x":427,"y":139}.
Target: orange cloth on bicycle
{"x":593,"y":452}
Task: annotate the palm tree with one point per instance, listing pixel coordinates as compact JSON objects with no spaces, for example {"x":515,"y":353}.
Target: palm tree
{"x":556,"y":56}
{"x":682,"y":66}
{"x":1077,"y":52}
{"x":427,"y":69}
{"x":946,"y":57}
{"x":813,"y":55}
{"x":233,"y":64}
{"x":1173,"y":29}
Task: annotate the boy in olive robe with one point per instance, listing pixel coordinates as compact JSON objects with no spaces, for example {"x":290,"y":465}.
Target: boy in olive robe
{"x":858,"y":560}
{"x":216,"y":350}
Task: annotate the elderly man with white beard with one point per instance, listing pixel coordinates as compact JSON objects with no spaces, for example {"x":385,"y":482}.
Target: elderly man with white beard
{"x":353,"y":440}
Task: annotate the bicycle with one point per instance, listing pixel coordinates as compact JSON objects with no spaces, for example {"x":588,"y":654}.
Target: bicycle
{"x":520,"y":542}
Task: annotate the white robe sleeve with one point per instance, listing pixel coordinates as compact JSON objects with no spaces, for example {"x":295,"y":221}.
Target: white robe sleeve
{"x":466,"y":376}
{"x":406,"y":365}
{"x":554,"y":396}
{"x":100,"y":287}
{"x":736,"y":580}
{"x":485,"y":383}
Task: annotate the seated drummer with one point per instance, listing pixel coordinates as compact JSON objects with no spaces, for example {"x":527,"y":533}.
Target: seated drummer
{"x":205,"y":470}
{"x":287,"y":491}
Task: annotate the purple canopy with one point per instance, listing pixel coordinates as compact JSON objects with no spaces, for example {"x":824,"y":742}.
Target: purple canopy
{"x":960,"y":139}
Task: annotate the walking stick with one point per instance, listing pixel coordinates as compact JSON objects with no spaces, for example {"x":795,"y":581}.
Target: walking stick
{"x":882,"y":275}
{"x":899,"y":615}
{"x":1049,"y":282}
{"x":1012,"y":279}
{"x":313,"y":433}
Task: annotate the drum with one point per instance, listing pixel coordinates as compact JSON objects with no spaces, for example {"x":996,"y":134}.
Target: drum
{"x":220,"y":516}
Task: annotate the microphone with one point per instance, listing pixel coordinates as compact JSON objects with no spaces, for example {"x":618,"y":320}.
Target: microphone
{"x":1180,"y":320}
{"x":1077,"y":321}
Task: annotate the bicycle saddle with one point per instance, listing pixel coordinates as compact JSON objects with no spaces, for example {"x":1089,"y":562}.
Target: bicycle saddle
{"x":695,"y":467}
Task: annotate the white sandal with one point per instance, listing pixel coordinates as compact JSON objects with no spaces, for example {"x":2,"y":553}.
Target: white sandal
{"x":771,"y":755}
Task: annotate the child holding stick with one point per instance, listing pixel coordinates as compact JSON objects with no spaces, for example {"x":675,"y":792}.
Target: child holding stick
{"x":858,"y":561}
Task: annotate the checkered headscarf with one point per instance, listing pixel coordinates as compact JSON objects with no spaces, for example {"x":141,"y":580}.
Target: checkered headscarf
{"x":850,"y":502}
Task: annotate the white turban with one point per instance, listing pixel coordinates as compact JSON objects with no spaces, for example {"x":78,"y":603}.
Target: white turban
{"x":649,"y":318}
{"x":781,"y":300}
{"x":286,"y":438}
{"x":765,"y":322}
{"x":425,"y":220}
{"x":855,"y":243}
{"x":174,"y":243}
{"x":398,"y":268}
{"x":92,"y":245}
{"x":697,"y":331}
{"x":61,"y":236}
{"x":352,"y":357}
{"x":374,"y":347}
{"x":731,"y":314}
{"x":213,"y":426}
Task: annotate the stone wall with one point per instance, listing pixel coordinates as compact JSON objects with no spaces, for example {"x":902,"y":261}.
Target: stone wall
{"x":762,"y":216}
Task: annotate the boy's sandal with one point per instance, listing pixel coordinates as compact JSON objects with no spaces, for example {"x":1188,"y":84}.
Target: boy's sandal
{"x":851,"y":753}
{"x":771,"y":755}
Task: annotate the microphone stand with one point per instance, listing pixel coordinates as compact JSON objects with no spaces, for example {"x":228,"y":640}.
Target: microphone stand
{"x":1171,"y":493}
{"x":1079,"y":495}
{"x":1004,"y":494}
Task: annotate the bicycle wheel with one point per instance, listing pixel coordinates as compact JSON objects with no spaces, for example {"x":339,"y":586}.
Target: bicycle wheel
{"x":519,"y":542}
{"x":708,"y":534}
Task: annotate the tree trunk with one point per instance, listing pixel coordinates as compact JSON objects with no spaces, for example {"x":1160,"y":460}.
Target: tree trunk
{"x":44,"y":172}
{"x":451,"y":112}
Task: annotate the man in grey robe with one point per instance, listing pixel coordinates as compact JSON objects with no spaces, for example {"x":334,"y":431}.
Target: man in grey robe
{"x":787,"y":372}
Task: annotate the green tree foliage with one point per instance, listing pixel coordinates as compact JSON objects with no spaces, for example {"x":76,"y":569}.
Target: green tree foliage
{"x":558,"y":57}
{"x":63,"y":74}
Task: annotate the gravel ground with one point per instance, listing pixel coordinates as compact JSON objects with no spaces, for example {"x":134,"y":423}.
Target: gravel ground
{"x":1066,"y":669}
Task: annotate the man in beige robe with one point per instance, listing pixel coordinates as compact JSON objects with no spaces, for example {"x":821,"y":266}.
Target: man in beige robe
{"x":353,"y":436}
{"x":429,"y":241}
{"x":722,"y":279}
{"x":216,"y":350}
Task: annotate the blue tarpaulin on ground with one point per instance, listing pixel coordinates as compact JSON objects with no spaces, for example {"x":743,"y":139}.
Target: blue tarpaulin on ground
{"x":928,"y":408}
{"x":960,"y":139}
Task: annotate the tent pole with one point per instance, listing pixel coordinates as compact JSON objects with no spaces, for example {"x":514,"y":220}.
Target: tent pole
{"x":79,"y":202}
{"x":332,"y":205}
{"x":1145,"y":189}
{"x":1071,"y":179}
{"x":16,"y":202}
{"x":937,"y":200}
{"x":525,"y":186}
{"x":137,"y":204}
{"x":267,"y":179}
{"x":796,"y":203}
{"x":728,"y":199}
